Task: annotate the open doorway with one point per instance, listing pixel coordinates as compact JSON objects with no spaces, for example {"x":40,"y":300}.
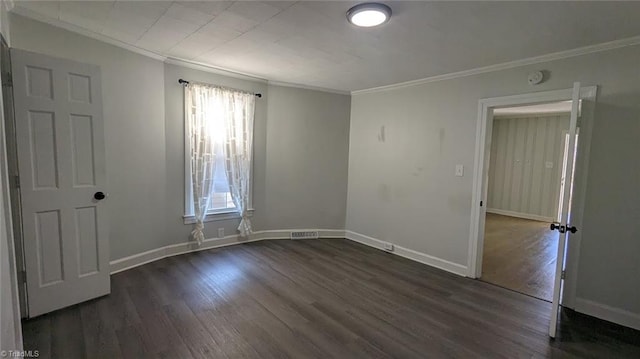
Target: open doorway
{"x":571,"y":207}
{"x":528,"y":155}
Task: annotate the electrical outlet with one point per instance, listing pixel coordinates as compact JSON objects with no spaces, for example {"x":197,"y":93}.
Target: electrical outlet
{"x":220,"y":232}
{"x":388,"y":246}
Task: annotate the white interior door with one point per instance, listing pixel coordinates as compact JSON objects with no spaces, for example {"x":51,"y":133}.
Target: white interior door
{"x":564,"y":226}
{"x":60,"y":142}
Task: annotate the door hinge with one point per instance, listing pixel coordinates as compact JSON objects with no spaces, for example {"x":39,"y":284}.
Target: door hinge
{"x":16,"y":181}
{"x":563,"y":274}
{"x":22,"y":276}
{"x":480,"y":203}
{"x":8,"y":81}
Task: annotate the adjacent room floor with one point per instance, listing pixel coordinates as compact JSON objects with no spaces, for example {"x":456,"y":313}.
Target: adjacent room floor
{"x":520,"y":254}
{"x":313,"y":299}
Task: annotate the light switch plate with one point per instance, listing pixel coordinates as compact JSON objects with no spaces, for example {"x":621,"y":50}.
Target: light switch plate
{"x":548,"y":164}
{"x":459,"y":170}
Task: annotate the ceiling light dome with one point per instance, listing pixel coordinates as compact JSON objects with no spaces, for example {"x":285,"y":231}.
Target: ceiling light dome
{"x":369,"y":14}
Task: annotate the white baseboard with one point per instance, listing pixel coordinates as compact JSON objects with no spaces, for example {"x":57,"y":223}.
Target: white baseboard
{"x":533,"y":217}
{"x":122,"y":264}
{"x":608,"y":313}
{"x":139,"y":259}
{"x":615,"y":315}
{"x":409,"y":254}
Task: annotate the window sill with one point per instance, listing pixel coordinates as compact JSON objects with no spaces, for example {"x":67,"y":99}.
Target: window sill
{"x":217,"y":216}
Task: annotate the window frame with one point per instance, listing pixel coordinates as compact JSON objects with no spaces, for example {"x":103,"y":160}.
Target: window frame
{"x":216,"y":214}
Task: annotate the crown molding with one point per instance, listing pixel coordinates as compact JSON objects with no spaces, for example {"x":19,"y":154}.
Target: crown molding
{"x":88,"y":33}
{"x":611,"y":45}
{"x":307,"y":87}
{"x":213,"y":69}
{"x":166,"y":59}
{"x":605,"y":46}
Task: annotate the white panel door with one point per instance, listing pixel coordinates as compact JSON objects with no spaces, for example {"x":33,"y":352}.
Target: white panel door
{"x":60,"y":141}
{"x":564,"y":226}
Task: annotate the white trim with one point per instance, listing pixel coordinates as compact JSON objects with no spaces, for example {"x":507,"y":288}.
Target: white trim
{"x":483,"y":141}
{"x":530,"y":114}
{"x":84,"y":32}
{"x":533,"y":217}
{"x":140,"y":51}
{"x":308,"y":87}
{"x":423,"y":258}
{"x":11,"y":300}
{"x":221,"y":215}
{"x":608,"y":313}
{"x":586,"y":122}
{"x":196,"y":65}
{"x":588,"y":307}
{"x":213,"y":69}
{"x":122,"y":264}
{"x":213,"y":217}
{"x":605,"y":46}
{"x":153,"y":255}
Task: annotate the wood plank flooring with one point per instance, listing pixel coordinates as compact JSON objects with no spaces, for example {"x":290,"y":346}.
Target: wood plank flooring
{"x":327,"y":298}
{"x":520,"y":254}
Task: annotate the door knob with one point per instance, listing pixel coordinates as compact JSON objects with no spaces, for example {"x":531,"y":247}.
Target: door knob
{"x":561,"y":228}
{"x":99,"y":196}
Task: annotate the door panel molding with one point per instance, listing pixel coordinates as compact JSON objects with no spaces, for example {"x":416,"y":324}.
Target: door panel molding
{"x":60,"y":151}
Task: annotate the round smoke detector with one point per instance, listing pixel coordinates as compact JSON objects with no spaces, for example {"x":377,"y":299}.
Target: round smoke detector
{"x":535,"y":77}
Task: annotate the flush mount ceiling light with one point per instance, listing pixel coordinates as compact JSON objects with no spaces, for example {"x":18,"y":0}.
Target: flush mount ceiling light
{"x":369,"y":14}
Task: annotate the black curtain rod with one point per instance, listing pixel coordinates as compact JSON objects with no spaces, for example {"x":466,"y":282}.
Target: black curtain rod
{"x":185,"y":82}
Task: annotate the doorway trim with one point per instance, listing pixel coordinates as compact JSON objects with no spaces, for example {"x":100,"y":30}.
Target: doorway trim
{"x":484,"y":127}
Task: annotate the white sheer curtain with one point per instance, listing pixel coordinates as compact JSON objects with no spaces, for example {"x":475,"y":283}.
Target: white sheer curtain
{"x":198,"y":110}
{"x":238,"y":152}
{"x":217,"y":114}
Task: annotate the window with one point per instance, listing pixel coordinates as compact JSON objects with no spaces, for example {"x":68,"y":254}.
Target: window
{"x":218,"y":149}
{"x":221,"y":201}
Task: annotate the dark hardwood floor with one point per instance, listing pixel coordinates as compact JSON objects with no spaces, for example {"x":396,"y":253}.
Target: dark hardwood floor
{"x":520,"y":254}
{"x":327,"y":298}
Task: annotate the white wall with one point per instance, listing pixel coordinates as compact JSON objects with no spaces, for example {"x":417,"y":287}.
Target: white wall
{"x":521,"y":182}
{"x":403,"y":146}
{"x":402,"y":186}
{"x":133,"y":106}
{"x":144,"y":133}
{"x":300,"y":156}
{"x":307,"y":159}
{"x":10,"y":328}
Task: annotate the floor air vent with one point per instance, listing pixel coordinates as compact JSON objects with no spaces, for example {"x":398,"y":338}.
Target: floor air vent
{"x":304,"y":235}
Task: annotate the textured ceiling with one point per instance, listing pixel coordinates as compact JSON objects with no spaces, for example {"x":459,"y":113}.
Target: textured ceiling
{"x":311,"y":43}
